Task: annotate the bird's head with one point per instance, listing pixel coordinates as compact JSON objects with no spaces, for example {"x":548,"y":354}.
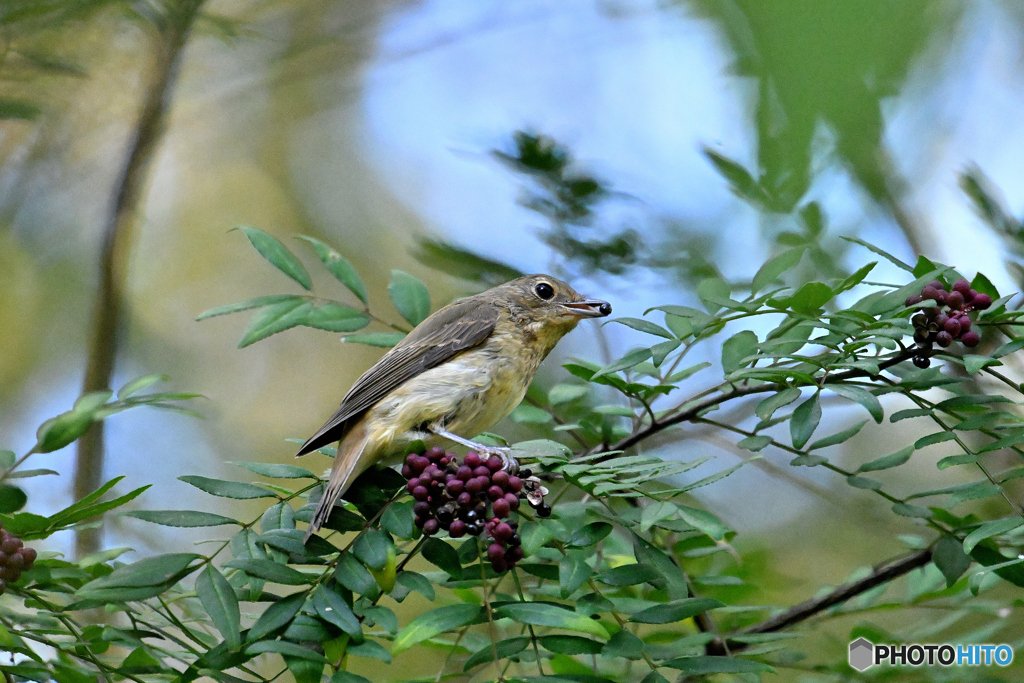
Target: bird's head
{"x":548,"y":307}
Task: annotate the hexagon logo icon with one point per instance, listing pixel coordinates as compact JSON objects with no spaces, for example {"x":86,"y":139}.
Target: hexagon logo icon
{"x":862,"y":654}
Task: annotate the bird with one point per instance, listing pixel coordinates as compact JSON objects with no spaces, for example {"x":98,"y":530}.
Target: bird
{"x":456,"y":374}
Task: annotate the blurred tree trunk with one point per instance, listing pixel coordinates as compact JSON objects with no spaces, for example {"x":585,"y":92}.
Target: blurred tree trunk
{"x":172,"y":35}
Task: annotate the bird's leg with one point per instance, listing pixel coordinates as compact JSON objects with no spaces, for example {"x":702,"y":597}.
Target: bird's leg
{"x":508,"y":463}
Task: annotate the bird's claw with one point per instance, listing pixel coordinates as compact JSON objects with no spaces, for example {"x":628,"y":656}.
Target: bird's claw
{"x":508,"y":463}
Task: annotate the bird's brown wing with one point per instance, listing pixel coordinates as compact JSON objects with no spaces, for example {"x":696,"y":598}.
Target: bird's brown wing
{"x":454,"y":328}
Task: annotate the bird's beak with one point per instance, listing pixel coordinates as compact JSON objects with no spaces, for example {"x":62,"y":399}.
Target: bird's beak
{"x":589,"y":308}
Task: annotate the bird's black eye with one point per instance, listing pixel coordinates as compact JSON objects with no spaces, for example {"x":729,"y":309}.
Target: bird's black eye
{"x":544,"y":291}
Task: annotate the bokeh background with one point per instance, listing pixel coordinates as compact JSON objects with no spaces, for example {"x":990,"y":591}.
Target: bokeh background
{"x":373,"y":126}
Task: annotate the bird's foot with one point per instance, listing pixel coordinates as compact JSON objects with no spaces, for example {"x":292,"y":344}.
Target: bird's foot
{"x":508,"y":463}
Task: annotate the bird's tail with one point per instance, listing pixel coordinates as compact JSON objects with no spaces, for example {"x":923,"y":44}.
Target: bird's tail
{"x":346,"y":468}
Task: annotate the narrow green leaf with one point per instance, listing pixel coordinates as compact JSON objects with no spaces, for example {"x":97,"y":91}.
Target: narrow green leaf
{"x":990,"y":529}
{"x":704,"y":664}
{"x":220,"y":603}
{"x":334,"y":317}
{"x":861,"y":396}
{"x":372,"y":548}
{"x":181,"y":518}
{"x":258,"y":302}
{"x":950,"y":558}
{"x":270,"y":571}
{"x":227,"y":489}
{"x":338,"y":266}
{"x":624,"y":644}
{"x":754,"y":443}
{"x":547,"y":614}
{"x":736,"y":349}
{"x":589,"y":535}
{"x":564,"y":393}
{"x":571,"y":574}
{"x":889,"y":257}
{"x":932,"y":439}
{"x":704,"y":521}
{"x":838,"y":437}
{"x":12,"y":499}
{"x":627,"y":361}
{"x":974,"y":363}
{"x":643,"y":326}
{"x":805,"y":420}
{"x":274,"y":318}
{"x":571,"y":645}
{"x":855,"y":279}
{"x":416,"y":582}
{"x":139,"y":384}
{"x":278,"y":255}
{"x":409,"y":296}
{"x":675,"y":611}
{"x":686,"y":372}
{"x":810,"y":297}
{"x":503,"y":649}
{"x":906,"y":510}
{"x":152,"y":571}
{"x":275,"y":470}
{"x":864,"y":483}
{"x":384,"y":340}
{"x":277,"y":616}
{"x":433,"y":623}
{"x":333,"y":609}
{"x":888,"y":461}
{"x":283,"y":647}
{"x":983,"y":285}
{"x":714,"y":294}
{"x":775,"y":267}
{"x":766,"y":408}
{"x":628,"y":575}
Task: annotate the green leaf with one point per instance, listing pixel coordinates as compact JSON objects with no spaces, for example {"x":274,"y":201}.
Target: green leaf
{"x":353,"y":575}
{"x":371,"y":649}
{"x":571,"y":645}
{"x":686,"y":372}
{"x":906,"y":510}
{"x":181,"y":518}
{"x":838,"y":437}
{"x":974,"y":363}
{"x":889,"y":257}
{"x":589,"y":535}
{"x":674,"y":611}
{"x":810,"y":298}
{"x":855,"y":279}
{"x":547,"y":614}
{"x":766,"y":408}
{"x":864,"y":483}
{"x":270,"y":571}
{"x":372,"y":547}
{"x":862,"y":396}
{"x":28,"y":474}
{"x":227,"y":489}
{"x":274,"y":318}
{"x":888,"y":461}
{"x":140,"y":384}
{"x":984,"y":286}
{"x":7,"y":459}
{"x":442,"y":555}
{"x":433,"y":623}
{"x":409,"y":296}
{"x":571,"y":574}
{"x":283,"y":647}
{"x":659,"y":352}
{"x":627,"y":361}
{"x":754,"y":443}
{"x":805,"y":420}
{"x":950,"y":558}
{"x":503,"y":649}
{"x":58,"y":432}
{"x":278,"y":255}
{"x":334,"y":317}
{"x":775,"y":267}
{"x":990,"y":529}
{"x":624,"y":644}
{"x":152,"y":571}
{"x":384,"y":340}
{"x":258,"y":302}
{"x":628,"y":575}
{"x":333,"y":609}
{"x":342,"y":676}
{"x":736,"y":349}
{"x":277,"y":616}
{"x":338,"y":266}
{"x":643,"y":326}
{"x":740,"y":180}
{"x":705,"y":664}
{"x":220,"y":603}
{"x":932,"y":439}
{"x":12,"y":499}
{"x":703,"y":521}
{"x":714,"y":294}
{"x":275,"y":470}
{"x":415,"y":582}
{"x":18,"y":110}
{"x":564,"y":393}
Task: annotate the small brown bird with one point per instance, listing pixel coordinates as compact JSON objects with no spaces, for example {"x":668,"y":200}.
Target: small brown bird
{"x":458,"y":373}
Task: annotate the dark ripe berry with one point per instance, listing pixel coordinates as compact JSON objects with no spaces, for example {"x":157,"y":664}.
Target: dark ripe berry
{"x":420,"y":521}
{"x":501,"y":508}
{"x":472,"y":459}
{"x":965,"y":323}
{"x":512,"y":500}
{"x":494,"y":463}
{"x":930,"y":313}
{"x":482,"y":471}
{"x":11,"y":544}
{"x":30,"y":557}
{"x":16,"y":561}
{"x":937,"y":284}
{"x":443,"y":462}
{"x":495,"y":492}
{"x":420,"y":493}
{"x":499,"y":565}
{"x":526,"y":473}
{"x":952,"y":326}
{"x":430,"y":527}
{"x":941,"y":319}
{"x":465,"y":473}
{"x":543,"y":510}
{"x":474,"y":529}
{"x":969,"y":297}
{"x":981,"y":302}
{"x":410,"y":459}
{"x":475,"y":485}
{"x":407,"y":471}
{"x":962,"y":286}
{"x":420,"y":464}
{"x":500,"y":478}
{"x":457,"y":529}
{"x":970,"y":339}
{"x":435,"y":453}
{"x":920,"y":361}
{"x":445,"y":516}
{"x":515,"y":540}
{"x":955,"y":300}
{"x":930,"y":292}
{"x":515,"y":484}
{"x":421,"y":508}
{"x":502,"y":532}
{"x":454,"y":487}
{"x":514,"y":554}
{"x":414,"y":482}
{"x":473,"y":515}
{"x":464,"y":499}
{"x":495,"y":551}
{"x":914,"y":299}
{"x":943,"y":339}
{"x":3,"y":558}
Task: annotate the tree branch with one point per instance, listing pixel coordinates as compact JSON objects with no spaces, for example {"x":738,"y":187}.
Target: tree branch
{"x":882,"y":573}
{"x":117,"y":239}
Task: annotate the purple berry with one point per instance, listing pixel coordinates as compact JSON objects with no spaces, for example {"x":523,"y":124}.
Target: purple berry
{"x":930,"y":292}
{"x":512,"y":500}
{"x":407,"y":471}
{"x":981,"y":302}
{"x":457,"y":529}
{"x":514,"y":554}
{"x":965,"y":323}
{"x":952,"y":326}
{"x":454,"y":487}
{"x":970,"y":339}
{"x":464,"y":473}
{"x":937,"y":284}
{"x":422,"y":509}
{"x":501,"y":508}
{"x":914,"y":299}
{"x":495,"y":551}
{"x":495,"y":492}
{"x":962,"y":286}
{"x":502,"y":532}
{"x":474,"y":485}
{"x":499,"y":565}
{"x":941,"y":319}
{"x":430,"y":527}
{"x":500,"y":478}
{"x":943,"y":339}
{"x":955,"y":300}
{"x":494,"y":463}
{"x":515,"y":484}
{"x":420,"y":493}
{"x":482,"y":471}
{"x":472,"y":459}
{"x":30,"y":557}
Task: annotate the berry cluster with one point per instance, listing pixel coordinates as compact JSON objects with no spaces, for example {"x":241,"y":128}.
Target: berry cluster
{"x":455,"y":498}
{"x":14,"y":558}
{"x":947,"y":322}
